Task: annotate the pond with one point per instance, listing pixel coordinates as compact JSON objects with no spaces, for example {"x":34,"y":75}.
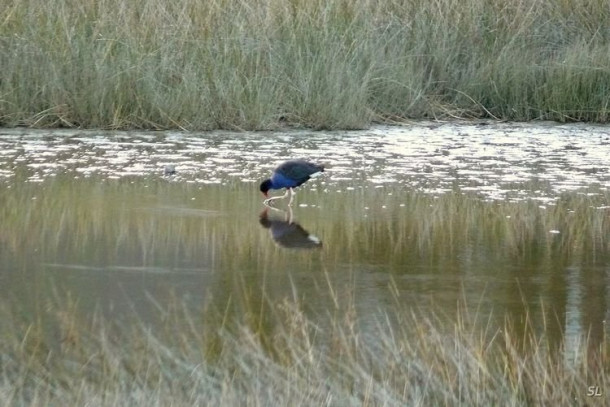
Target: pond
{"x":503,"y":220}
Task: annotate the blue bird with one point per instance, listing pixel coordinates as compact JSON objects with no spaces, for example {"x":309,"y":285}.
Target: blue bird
{"x":289,"y":175}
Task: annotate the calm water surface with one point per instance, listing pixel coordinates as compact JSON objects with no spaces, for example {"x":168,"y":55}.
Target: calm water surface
{"x":426,"y":216}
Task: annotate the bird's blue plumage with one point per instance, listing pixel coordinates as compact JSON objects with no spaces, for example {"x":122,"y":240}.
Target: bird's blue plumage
{"x":279,"y":181}
{"x":293,"y":173}
{"x":289,"y":174}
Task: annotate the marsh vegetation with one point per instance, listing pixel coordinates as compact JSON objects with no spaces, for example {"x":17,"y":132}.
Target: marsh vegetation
{"x":275,"y":353}
{"x":234,"y":64}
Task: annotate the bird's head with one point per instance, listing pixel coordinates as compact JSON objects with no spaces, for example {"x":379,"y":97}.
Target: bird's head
{"x":265,"y":187}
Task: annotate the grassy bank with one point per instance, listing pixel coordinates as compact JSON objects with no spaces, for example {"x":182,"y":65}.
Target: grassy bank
{"x":277,"y":355}
{"x":324,"y":64}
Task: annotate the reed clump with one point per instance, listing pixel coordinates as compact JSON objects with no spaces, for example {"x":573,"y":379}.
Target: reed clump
{"x":285,"y":356}
{"x":235,"y":64}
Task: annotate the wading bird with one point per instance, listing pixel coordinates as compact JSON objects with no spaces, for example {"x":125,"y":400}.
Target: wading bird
{"x":289,"y":174}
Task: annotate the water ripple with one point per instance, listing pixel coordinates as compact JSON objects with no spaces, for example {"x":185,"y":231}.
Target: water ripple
{"x":497,"y":160}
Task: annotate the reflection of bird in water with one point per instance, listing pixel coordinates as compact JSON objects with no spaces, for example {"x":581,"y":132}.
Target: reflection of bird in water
{"x":287,"y":233}
{"x":289,"y":174}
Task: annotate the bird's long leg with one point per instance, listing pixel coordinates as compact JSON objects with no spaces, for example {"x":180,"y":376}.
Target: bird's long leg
{"x":290,"y":215}
{"x":292,"y":194}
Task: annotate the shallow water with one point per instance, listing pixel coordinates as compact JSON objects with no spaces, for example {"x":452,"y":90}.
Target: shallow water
{"x":495,"y":160}
{"x":430,"y":216}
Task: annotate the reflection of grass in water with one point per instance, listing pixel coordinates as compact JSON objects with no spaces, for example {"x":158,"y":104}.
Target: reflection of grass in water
{"x":160,"y":220}
{"x":102,"y":218}
{"x":432,"y":226}
{"x":234,"y":64}
{"x":282,"y":357}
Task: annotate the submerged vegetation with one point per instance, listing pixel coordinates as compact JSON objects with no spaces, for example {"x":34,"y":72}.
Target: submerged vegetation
{"x":324,"y":64}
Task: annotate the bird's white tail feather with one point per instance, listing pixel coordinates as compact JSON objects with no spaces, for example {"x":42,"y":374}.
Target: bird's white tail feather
{"x":313,"y":239}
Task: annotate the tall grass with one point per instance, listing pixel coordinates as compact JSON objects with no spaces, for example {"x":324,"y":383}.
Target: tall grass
{"x":323,"y":64}
{"x":198,"y":358}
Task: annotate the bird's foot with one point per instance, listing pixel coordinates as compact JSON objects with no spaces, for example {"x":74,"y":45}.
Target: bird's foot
{"x":269,"y":202}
